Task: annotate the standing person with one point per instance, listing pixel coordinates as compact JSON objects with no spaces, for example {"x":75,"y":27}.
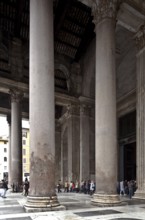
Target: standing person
{"x":130,"y":188}
{"x":92,"y":186}
{"x":59,"y":187}
{"x":122,"y":191}
{"x":66,"y":186}
{"x":26,"y":187}
{"x":5,"y":187}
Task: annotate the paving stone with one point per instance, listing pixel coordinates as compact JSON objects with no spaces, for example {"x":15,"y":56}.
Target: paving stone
{"x":125,"y":219}
{"x":95,"y":213}
{"x":11,"y":210}
{"x":8,"y":202}
{"x":20,"y":218}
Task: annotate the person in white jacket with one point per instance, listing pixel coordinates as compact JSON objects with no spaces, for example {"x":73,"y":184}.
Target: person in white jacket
{"x":122,"y":189}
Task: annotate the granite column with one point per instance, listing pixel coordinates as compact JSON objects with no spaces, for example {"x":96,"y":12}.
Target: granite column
{"x":9,"y":157}
{"x":105,"y":102}
{"x":42,"y":196}
{"x":16,"y":139}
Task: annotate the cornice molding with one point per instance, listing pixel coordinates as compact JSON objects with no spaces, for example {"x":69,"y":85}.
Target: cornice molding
{"x":126,"y":103}
{"x":7,"y":84}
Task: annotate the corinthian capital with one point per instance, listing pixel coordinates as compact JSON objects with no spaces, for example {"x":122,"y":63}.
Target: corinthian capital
{"x":103,"y":9}
{"x":140,"y":38}
{"x":85,"y":110}
{"x":73,"y":110}
{"x":16,"y":95}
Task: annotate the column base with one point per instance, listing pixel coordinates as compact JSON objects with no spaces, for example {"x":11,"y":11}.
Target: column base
{"x":106,"y":200}
{"x":42,"y":204}
{"x":139,"y":194}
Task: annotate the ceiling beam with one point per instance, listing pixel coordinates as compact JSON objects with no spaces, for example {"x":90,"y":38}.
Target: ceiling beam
{"x":19,"y":9}
{"x":87,"y":37}
{"x":62,"y":9}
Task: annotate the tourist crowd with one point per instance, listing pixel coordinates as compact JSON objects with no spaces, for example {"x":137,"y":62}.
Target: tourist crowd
{"x":127,"y":188}
{"x":87,"y":187}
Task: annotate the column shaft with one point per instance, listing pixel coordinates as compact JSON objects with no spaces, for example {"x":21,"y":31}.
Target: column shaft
{"x":16,"y":139}
{"x":105,"y":102}
{"x":140,"y":193}
{"x":42,"y":119}
{"x":106,"y":147}
{"x":41,"y":98}
{"x":9,"y":150}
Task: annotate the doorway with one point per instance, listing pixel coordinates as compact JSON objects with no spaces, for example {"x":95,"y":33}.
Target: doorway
{"x":130,"y":161}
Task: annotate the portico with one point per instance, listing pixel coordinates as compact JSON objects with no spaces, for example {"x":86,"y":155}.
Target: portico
{"x":76,"y":82}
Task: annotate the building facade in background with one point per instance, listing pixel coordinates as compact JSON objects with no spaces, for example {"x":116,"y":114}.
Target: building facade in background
{"x":4,"y":155}
{"x":4,"y":148}
{"x":26,"y":152}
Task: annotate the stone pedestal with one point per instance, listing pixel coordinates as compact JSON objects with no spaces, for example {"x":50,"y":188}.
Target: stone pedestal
{"x":103,"y":200}
{"x":140,"y":40}
{"x":16,"y":139}
{"x":105,"y":102}
{"x":42,"y":196}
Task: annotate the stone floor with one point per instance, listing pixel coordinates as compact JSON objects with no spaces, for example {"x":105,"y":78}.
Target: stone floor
{"x":78,"y":207}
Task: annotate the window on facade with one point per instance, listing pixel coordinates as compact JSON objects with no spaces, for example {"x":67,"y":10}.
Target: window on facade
{"x":24,"y":134}
{"x":5,"y":167}
{"x":24,"y":142}
{"x":5,"y":159}
{"x":24,"y":151}
{"x":5,"y":150}
{"x":24,"y":160}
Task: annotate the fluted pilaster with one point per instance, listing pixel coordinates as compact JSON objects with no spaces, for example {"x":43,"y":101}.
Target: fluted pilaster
{"x":140,"y":41}
{"x":85,"y":112}
{"x":70,"y":141}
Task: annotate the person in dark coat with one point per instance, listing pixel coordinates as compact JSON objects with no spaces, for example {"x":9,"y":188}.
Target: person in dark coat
{"x":26,"y":187}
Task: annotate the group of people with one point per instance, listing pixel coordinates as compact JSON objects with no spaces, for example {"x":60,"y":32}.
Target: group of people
{"x":3,"y":188}
{"x":15,"y":188}
{"x":127,"y":188}
{"x":87,"y":187}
